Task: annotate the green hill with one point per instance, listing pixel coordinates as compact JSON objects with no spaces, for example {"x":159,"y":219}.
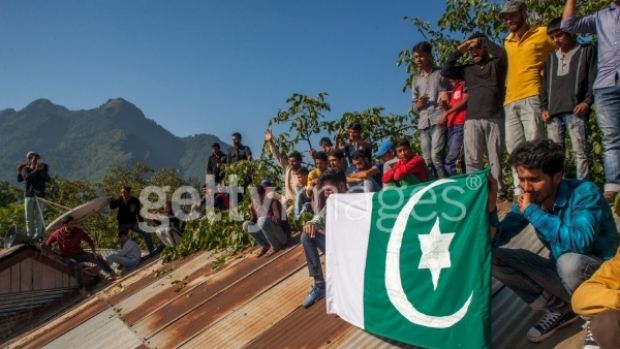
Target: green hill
{"x":87,"y":143}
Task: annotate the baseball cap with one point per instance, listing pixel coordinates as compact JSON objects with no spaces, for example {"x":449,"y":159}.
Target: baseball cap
{"x":511,"y":6}
{"x":384,"y":148}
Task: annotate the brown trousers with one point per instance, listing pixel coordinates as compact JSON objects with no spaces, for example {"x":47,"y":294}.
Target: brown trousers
{"x":606,"y":329}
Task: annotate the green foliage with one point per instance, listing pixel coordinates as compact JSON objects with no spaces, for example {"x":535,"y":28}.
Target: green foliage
{"x":8,"y":194}
{"x":11,"y":214}
{"x":376,"y":126}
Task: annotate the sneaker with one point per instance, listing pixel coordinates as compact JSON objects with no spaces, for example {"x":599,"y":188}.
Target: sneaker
{"x":316,"y":294}
{"x":548,"y":324}
{"x":589,"y":342}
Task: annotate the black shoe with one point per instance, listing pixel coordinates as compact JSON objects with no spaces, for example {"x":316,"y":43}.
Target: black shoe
{"x":589,"y":342}
{"x":548,"y":324}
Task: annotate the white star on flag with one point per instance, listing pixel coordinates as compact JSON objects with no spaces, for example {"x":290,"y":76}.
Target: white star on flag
{"x":435,"y":248}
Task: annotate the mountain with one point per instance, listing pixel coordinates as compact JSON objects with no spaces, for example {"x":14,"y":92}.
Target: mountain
{"x":87,"y":143}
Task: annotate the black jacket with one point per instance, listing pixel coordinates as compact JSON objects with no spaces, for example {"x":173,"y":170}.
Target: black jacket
{"x":212,"y":167}
{"x":128,"y":212}
{"x":239,"y":153}
{"x":35,"y":180}
{"x":560,"y":94}
{"x":485,"y":82}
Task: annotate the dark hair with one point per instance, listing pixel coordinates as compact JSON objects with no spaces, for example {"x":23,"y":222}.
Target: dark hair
{"x":333,"y":176}
{"x":355,"y":126}
{"x":423,"y":47}
{"x":554,"y":26}
{"x":359,"y":154}
{"x":295,"y":154}
{"x":302,"y":171}
{"x":67,"y":219}
{"x":541,"y":154}
{"x":237,"y":134}
{"x":215,"y":145}
{"x":123,"y":233}
{"x":326,"y":140}
{"x":338,"y":153}
{"x":320,"y":156}
{"x":403,"y":143}
{"x":126,"y":188}
{"x":478,"y":35}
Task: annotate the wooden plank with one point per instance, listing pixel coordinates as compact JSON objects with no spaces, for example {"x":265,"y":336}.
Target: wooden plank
{"x":39,"y":275}
{"x":15,"y":278}
{"x":5,"y":281}
{"x":25,"y":269}
{"x":58,"y":277}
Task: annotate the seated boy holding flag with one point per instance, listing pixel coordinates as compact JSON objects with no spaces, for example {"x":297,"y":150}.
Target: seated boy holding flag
{"x":570,"y":217}
{"x":313,"y":235}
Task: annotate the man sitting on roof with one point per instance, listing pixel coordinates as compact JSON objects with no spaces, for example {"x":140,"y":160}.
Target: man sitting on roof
{"x":313,"y":235}
{"x":599,"y":298}
{"x":69,"y":238}
{"x":570,"y":217}
{"x":129,"y":255}
{"x":409,"y":170}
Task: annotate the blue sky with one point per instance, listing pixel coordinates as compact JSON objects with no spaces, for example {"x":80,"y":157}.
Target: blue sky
{"x":207,"y":66}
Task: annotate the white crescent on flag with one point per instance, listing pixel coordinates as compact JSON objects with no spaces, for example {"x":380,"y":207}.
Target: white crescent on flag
{"x":393,"y":282}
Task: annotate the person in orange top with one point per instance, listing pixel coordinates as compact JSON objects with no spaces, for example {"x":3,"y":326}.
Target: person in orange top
{"x":409,"y":170}
{"x":69,"y":238}
{"x":527,"y":48}
{"x":599,"y":298}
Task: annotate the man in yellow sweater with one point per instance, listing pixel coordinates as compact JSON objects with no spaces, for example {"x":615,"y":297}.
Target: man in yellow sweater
{"x":599,"y":298}
{"x":527,"y":48}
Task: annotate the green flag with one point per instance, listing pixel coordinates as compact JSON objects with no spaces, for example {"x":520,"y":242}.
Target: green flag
{"x":413,"y":264}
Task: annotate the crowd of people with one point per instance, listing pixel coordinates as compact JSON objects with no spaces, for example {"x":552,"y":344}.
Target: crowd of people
{"x":526,"y":96}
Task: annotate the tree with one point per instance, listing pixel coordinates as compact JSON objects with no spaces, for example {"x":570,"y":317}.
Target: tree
{"x":463,"y":18}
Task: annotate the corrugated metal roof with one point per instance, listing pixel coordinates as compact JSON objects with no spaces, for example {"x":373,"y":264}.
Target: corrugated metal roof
{"x":249,"y":303}
{"x":106,"y":330}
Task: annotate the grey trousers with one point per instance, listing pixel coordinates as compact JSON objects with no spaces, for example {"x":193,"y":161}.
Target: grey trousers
{"x":433,"y":142}
{"x":523,"y":123}
{"x":484,"y":136}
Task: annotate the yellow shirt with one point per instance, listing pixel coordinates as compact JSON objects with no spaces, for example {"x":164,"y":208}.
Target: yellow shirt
{"x":312,"y":176}
{"x":526,"y":59}
{"x":601,"y":292}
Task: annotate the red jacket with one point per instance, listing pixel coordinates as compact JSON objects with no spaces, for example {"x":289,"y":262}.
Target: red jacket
{"x":415,"y":166}
{"x":69,"y":243}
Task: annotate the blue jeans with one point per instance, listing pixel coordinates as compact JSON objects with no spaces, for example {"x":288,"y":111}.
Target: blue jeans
{"x":455,"y":148}
{"x":302,"y":202}
{"x":311,"y":249}
{"x":136,"y":227}
{"x":576,"y":127}
{"x":75,"y":263}
{"x":608,"y":118}
{"x":433,"y":142}
{"x":35,"y":226}
{"x":266,"y":233}
{"x":541,"y":282}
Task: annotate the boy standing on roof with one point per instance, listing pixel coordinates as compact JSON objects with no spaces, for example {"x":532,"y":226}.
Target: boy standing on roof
{"x":527,"y":48}
{"x":570,"y":217}
{"x":35,"y":175}
{"x":606,"y":25}
{"x":429,"y":91}
{"x":128,"y":215}
{"x":566,"y":96}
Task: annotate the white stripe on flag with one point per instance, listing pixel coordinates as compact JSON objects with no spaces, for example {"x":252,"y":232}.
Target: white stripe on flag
{"x":347,"y":229}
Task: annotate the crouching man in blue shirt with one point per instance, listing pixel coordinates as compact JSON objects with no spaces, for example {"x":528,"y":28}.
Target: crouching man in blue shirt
{"x":570,"y":217}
